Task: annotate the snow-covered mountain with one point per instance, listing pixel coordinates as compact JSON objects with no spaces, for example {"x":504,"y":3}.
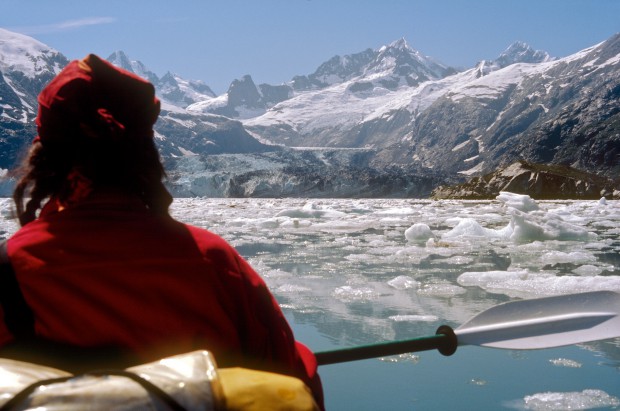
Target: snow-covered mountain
{"x":182,"y":133}
{"x":375,"y":105}
{"x":171,"y":88}
{"x":521,"y":105}
{"x":243,"y":99}
{"x":26,"y":65}
{"x":564,"y":111}
{"x":385,"y":122}
{"x":388,"y":68}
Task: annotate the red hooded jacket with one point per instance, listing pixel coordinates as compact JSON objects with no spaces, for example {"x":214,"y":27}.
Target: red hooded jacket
{"x":108,"y":272}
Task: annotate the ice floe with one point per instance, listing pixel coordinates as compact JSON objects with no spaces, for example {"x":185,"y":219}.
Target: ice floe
{"x":578,"y":400}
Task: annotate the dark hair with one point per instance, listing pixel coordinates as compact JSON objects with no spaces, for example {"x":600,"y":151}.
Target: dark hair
{"x":126,"y":162}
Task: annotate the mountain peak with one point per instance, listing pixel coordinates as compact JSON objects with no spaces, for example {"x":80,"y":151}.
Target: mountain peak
{"x":11,"y":42}
{"x":24,"y":54}
{"x":168,"y":79}
{"x":400,"y":61}
{"x":400,"y":44}
{"x":172,"y":88}
{"x":244,"y":92}
{"x":521,"y":52}
{"x":120,"y":59}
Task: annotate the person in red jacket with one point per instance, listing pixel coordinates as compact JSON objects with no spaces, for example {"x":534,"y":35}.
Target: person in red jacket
{"x":99,"y":261}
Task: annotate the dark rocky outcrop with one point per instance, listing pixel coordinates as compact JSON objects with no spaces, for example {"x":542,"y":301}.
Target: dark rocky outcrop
{"x":539,"y":181}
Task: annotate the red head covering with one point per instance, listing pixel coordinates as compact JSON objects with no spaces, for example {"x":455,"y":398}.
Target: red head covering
{"x":94,"y":93}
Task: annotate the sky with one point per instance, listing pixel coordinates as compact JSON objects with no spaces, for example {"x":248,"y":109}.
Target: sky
{"x":218,"y":41}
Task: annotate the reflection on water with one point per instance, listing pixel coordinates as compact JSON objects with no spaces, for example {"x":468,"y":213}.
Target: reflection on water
{"x":346,"y":274}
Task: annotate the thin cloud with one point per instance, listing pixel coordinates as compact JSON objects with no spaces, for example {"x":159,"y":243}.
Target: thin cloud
{"x":68,"y":25}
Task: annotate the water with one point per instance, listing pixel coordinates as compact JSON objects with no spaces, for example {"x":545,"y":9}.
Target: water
{"x":353,"y":272}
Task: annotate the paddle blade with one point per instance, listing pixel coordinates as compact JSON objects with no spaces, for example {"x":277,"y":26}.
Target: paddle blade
{"x":545,"y":322}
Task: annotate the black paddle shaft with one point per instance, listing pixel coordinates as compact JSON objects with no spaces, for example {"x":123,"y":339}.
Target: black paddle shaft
{"x":444,"y":341}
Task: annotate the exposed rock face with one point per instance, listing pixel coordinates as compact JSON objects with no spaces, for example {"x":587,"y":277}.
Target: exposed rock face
{"x":536,"y":180}
{"x":562,"y":112}
{"x":273,"y":95}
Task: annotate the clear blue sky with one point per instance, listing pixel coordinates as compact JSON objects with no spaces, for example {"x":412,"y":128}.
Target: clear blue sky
{"x":217,"y":41}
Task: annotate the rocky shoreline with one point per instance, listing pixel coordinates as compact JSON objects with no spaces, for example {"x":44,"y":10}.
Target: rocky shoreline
{"x":539,"y":181}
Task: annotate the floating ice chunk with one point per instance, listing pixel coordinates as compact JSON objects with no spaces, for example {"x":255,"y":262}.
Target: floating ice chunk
{"x":269,"y":223}
{"x":414,"y":318}
{"x":273,"y":273}
{"x":348,"y":293}
{"x":550,"y":226}
{"x":291,"y":288}
{"x":564,"y":362}
{"x":345,"y":226}
{"x":397,"y":211}
{"x":568,"y":214}
{"x":525,"y":284}
{"x":468,"y":227}
{"x":408,"y":357}
{"x":361,"y":258}
{"x":486,"y":279}
{"x":403,"y":282}
{"x":526,"y":231}
{"x":310,"y":210}
{"x":574,"y":257}
{"x":412,"y":255}
{"x":527,"y":224}
{"x":238,"y":222}
{"x":377,"y":241}
{"x":607,"y":224}
{"x":441,"y":289}
{"x":518,"y":201}
{"x":418,"y":233}
{"x":295,"y":223}
{"x":584,"y":400}
{"x":602,"y":201}
{"x":558,"y":229}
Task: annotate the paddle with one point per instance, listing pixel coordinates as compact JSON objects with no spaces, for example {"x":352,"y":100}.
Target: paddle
{"x":518,"y":325}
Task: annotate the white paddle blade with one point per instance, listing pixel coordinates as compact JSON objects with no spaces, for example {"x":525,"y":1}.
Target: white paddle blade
{"x":545,"y":322}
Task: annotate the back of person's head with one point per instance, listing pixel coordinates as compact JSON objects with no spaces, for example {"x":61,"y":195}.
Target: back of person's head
{"x":95,"y":131}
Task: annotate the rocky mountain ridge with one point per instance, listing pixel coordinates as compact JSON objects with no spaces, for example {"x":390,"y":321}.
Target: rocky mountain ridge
{"x":413,"y":119}
{"x":562,"y":111}
{"x":170,"y":87}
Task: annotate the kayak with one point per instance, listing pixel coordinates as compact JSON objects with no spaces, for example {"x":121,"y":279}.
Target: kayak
{"x":193,"y":381}
{"x":186,"y":382}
